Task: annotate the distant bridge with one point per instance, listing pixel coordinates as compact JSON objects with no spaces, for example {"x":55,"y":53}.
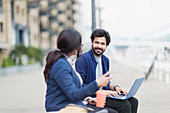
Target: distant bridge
{"x":141,"y":43}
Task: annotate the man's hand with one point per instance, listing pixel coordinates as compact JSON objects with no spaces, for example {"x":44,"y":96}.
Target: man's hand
{"x":119,"y":91}
{"x":111,"y":93}
{"x":103,"y":80}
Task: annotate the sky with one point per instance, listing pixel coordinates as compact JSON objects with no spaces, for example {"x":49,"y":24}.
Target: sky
{"x":132,"y":19}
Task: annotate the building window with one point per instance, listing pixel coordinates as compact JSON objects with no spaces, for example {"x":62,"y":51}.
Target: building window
{"x":60,"y":12}
{"x":21,"y":36}
{"x":1,"y":27}
{"x":17,"y":9}
{"x":0,"y":4}
{"x":61,"y":24}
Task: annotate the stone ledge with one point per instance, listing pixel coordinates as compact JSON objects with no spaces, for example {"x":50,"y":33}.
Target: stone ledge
{"x":15,"y":69}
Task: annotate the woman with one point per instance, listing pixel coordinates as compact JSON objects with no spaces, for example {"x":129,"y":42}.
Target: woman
{"x":63,"y":84}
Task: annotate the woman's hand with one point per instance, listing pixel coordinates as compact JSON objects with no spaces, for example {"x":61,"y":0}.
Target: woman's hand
{"x":91,"y":101}
{"x":103,"y":80}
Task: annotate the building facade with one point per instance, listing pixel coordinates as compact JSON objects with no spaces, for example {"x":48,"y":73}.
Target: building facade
{"x":5,"y":29}
{"x":34,"y":22}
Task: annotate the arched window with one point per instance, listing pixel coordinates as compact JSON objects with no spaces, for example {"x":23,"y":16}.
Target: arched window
{"x":1,"y":27}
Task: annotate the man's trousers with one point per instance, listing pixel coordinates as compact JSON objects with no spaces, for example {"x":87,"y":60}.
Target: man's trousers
{"x":123,"y":106}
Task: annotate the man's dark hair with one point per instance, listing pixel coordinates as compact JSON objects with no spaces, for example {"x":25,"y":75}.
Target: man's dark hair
{"x":101,"y":33}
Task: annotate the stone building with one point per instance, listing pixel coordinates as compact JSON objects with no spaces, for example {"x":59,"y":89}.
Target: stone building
{"x":5,"y":29}
{"x":34,"y":22}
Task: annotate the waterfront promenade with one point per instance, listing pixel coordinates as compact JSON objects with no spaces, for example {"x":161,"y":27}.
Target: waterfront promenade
{"x":24,"y":92}
{"x":153,"y":95}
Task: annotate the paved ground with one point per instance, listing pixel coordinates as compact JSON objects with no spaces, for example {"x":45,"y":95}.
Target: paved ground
{"x":153,"y":95}
{"x":24,"y":92}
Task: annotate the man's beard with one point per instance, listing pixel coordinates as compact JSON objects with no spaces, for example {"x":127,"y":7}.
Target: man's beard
{"x":97,"y":53}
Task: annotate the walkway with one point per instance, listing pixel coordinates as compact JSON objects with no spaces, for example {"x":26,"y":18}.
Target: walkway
{"x":25,"y":92}
{"x":154,"y":96}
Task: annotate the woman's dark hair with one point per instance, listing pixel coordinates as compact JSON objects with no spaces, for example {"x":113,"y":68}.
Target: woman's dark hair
{"x":101,"y":33}
{"x":68,"y":40}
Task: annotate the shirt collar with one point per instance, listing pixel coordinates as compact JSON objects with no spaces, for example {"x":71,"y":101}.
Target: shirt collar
{"x":93,"y":56}
{"x":97,"y":58}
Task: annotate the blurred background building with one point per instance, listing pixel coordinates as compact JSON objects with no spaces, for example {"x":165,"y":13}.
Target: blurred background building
{"x":35,"y":23}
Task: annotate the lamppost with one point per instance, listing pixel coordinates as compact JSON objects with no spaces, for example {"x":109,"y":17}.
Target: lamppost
{"x":93,"y":15}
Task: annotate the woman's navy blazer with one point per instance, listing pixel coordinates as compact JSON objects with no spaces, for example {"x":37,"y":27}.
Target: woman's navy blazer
{"x":64,"y":87}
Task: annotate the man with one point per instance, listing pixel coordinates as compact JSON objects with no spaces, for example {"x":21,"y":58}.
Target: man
{"x":93,"y":64}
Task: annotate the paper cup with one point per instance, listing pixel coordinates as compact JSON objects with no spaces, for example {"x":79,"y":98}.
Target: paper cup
{"x":101,"y":98}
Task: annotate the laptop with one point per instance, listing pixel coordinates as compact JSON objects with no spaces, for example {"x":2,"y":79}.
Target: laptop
{"x":132,"y":91}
